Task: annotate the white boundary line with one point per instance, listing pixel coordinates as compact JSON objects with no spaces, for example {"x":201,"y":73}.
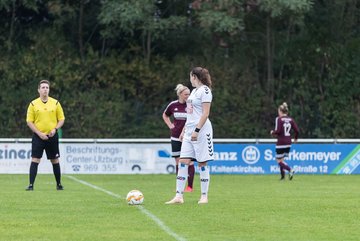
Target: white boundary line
{"x":141,"y":208}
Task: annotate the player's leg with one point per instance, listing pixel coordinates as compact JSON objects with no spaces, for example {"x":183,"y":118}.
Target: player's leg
{"x":182,"y":176}
{"x":53,"y":153}
{"x":187,"y":154}
{"x":175,"y":149}
{"x":280,"y":159}
{"x":281,"y":153}
{"x":177,"y":165}
{"x":284,"y":152}
{"x":282,"y":170}
{"x":57,"y":173}
{"x":33,"y":173}
{"x":180,"y":182}
{"x":37,"y":149}
{"x":204,"y":150}
{"x":284,"y":165}
{"x":191,"y":174}
{"x":204,"y":182}
{"x":292,"y":171}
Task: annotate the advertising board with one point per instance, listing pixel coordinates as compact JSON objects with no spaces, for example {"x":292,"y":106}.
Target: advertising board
{"x":304,"y":158}
{"x":153,"y":158}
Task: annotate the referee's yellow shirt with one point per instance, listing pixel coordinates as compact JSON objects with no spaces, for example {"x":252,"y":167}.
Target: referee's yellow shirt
{"x":45,"y":116}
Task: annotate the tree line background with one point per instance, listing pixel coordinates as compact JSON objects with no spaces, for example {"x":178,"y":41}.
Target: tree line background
{"x":114,"y":64}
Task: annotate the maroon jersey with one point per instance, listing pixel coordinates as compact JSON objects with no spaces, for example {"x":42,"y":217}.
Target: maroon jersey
{"x":283,"y":128}
{"x":177,"y":110}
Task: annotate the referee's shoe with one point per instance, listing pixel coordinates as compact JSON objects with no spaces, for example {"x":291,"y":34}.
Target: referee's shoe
{"x":59,"y":187}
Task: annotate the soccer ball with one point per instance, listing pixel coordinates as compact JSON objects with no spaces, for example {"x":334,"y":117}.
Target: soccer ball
{"x":135,"y":197}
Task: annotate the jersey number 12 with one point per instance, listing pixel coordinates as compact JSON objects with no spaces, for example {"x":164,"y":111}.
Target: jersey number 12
{"x":287,"y":129}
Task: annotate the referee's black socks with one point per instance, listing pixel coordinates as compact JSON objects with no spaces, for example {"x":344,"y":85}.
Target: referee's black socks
{"x":33,"y":172}
{"x":57,"y":173}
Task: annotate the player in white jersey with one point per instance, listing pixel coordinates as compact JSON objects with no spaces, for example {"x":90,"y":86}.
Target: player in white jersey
{"x":197,"y":135}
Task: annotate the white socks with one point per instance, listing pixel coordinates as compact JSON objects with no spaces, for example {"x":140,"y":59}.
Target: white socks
{"x":181,"y":179}
{"x":204,"y":180}
{"x":183,"y":175}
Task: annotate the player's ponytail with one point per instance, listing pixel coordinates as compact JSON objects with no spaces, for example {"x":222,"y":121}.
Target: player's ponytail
{"x":203,"y":75}
{"x":284,"y":108}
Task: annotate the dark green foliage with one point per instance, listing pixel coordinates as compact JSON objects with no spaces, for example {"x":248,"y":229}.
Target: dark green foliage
{"x":115,"y":73}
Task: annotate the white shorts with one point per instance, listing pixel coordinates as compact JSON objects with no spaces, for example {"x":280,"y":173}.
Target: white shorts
{"x":203,"y":149}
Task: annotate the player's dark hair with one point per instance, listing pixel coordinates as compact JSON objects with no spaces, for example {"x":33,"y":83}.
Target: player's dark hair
{"x":203,"y":75}
{"x":284,"y":108}
{"x":44,"y":81}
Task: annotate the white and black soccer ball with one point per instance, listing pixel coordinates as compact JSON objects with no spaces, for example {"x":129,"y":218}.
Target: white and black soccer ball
{"x":135,"y":197}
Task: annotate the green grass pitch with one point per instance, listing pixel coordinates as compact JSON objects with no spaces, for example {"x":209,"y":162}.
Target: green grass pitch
{"x":241,"y":207}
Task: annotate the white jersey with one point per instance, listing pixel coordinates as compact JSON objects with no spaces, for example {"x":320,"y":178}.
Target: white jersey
{"x":201,"y":150}
{"x":194,"y":107}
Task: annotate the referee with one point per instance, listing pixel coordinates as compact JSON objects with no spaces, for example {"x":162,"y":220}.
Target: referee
{"x":44,"y":117}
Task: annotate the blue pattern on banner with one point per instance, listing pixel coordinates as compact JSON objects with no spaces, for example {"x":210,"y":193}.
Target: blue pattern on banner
{"x":351,"y":165}
{"x":304,"y":158}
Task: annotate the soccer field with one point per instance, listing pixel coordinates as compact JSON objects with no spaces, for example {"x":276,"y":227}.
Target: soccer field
{"x":251,"y":207}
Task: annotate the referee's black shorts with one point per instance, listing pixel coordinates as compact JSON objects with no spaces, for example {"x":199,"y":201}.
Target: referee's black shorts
{"x":51,"y":147}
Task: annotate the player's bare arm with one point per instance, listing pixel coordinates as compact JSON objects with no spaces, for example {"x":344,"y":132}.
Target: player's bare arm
{"x":167,"y":121}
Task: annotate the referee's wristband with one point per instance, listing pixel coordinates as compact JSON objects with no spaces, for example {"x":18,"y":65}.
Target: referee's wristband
{"x":197,"y":129}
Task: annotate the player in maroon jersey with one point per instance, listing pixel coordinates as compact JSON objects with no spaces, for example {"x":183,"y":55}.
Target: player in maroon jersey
{"x":284,"y":125}
{"x":177,"y":109}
